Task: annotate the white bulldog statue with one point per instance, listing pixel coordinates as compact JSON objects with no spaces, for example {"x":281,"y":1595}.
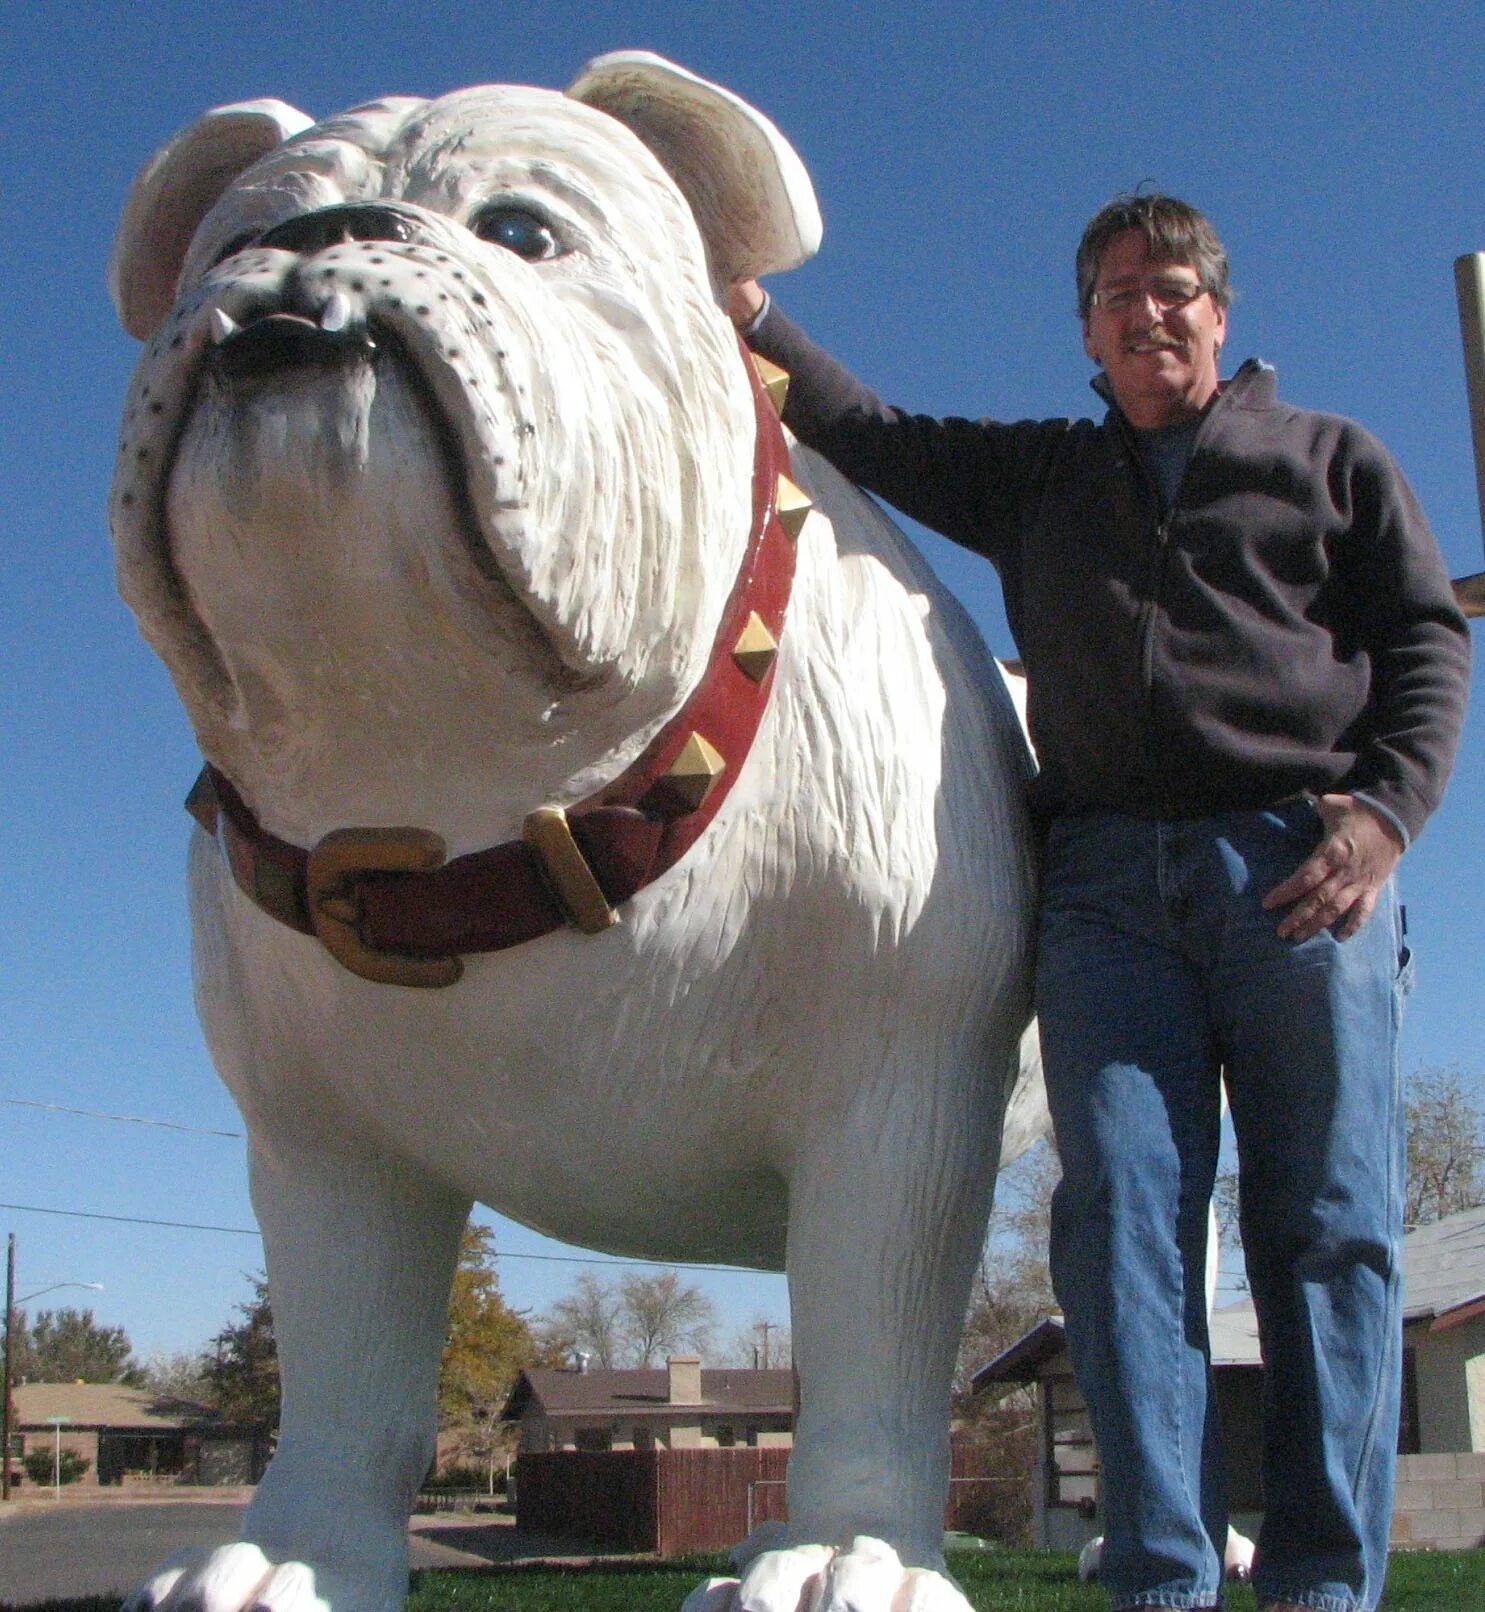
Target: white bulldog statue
{"x":589,"y":827}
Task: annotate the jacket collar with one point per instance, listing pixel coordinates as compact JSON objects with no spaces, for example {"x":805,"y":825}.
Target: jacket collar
{"x":1254,"y":385}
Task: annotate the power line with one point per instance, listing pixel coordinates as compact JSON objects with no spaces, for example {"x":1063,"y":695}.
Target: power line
{"x":252,"y":1231}
{"x":127,"y":1220}
{"x":246,"y":1231}
{"x":121,"y":1119}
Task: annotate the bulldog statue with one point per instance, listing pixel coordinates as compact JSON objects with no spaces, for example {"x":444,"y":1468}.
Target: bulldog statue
{"x":606,"y":816}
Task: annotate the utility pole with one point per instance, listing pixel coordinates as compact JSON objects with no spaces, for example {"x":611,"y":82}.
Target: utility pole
{"x":9,"y":1324}
{"x":6,"y":1420}
{"x":1469,"y":287}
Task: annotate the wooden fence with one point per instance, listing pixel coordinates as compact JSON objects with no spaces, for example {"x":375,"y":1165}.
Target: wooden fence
{"x":674,"y":1502}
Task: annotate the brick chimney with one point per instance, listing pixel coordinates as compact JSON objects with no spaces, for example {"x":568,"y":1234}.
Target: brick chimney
{"x":685,"y":1379}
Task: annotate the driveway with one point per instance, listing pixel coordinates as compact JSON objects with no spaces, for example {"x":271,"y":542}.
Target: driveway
{"x":53,"y":1552}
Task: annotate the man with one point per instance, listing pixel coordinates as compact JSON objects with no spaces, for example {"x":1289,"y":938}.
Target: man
{"x":1246,"y":684}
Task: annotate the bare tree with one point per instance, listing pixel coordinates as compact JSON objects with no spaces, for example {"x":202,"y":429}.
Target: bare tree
{"x":1229,"y":1232}
{"x":1012,"y":1293}
{"x":1444,"y":1114}
{"x":1013,"y":1288}
{"x":177,"y":1376}
{"x":585,"y":1321}
{"x":661,"y":1315}
{"x":1446,"y":1146}
{"x":634,"y":1322}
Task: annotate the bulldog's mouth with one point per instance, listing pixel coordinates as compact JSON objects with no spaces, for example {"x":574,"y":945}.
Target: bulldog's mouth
{"x":274,"y":342}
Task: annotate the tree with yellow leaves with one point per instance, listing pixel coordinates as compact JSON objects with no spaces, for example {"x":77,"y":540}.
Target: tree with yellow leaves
{"x":487,"y":1344}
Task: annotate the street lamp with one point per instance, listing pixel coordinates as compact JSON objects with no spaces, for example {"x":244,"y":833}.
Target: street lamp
{"x":10,"y":1303}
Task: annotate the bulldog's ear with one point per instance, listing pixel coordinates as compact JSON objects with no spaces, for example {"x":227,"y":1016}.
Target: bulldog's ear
{"x":746,"y":185}
{"x":174,"y":191}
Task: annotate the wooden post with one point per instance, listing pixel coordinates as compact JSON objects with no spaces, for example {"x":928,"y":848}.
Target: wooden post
{"x":1469,"y":287}
{"x":5,"y":1388}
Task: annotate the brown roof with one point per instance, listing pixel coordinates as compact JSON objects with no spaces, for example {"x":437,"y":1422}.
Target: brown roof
{"x":568,"y":1392}
{"x":1233,"y":1331}
{"x":106,"y":1405}
{"x":1022,"y":1362}
{"x":1443,"y":1282}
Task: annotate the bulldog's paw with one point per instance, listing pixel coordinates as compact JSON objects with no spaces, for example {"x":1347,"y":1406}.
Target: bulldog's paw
{"x":866,"y":1577}
{"x":233,"y":1578}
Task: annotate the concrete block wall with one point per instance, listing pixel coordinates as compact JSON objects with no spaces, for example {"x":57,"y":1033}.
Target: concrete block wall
{"x":1440,"y":1502}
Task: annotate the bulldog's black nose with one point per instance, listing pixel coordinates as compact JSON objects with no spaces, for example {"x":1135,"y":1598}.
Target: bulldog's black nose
{"x":329,"y":226}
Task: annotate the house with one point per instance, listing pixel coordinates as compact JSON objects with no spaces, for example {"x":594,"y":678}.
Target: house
{"x":1064,"y":1478}
{"x":671,"y":1461}
{"x":1441,"y":1442}
{"x":1444,"y":1336}
{"x":676,"y":1407}
{"x":129,"y":1435}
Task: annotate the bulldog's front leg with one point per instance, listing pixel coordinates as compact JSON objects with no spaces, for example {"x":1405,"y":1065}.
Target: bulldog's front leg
{"x":360,"y":1257}
{"x":886,"y":1219}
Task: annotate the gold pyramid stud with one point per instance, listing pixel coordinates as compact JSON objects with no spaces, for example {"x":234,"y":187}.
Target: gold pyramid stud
{"x":755,"y":648}
{"x":792,"y":507}
{"x":775,"y":381}
{"x":201,"y":803}
{"x":689,"y":779}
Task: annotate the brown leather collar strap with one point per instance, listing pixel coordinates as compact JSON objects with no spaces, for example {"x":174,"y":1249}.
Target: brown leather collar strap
{"x":387,"y":905}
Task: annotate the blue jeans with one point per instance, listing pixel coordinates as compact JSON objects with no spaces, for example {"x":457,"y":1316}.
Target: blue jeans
{"x":1158,"y":970}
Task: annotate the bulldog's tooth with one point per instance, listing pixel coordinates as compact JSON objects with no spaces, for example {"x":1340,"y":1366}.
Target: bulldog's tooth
{"x":336,"y":314}
{"x":222,"y":326}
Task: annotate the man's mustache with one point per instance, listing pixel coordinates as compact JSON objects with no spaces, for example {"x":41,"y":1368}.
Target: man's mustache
{"x":1156,"y":338}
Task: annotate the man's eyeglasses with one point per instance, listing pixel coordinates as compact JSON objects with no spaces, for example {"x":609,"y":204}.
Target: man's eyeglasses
{"x":1166,"y":291}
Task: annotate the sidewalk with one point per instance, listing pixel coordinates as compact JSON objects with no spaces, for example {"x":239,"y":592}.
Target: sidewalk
{"x":36,"y":1497}
{"x":469,"y":1539}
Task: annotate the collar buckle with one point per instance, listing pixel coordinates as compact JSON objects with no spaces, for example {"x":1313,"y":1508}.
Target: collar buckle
{"x":332,"y":876}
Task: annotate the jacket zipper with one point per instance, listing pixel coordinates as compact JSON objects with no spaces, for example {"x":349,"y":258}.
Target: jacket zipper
{"x":1157,"y":578}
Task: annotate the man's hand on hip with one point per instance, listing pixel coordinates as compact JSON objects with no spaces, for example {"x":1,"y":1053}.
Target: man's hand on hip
{"x":1337,"y":886}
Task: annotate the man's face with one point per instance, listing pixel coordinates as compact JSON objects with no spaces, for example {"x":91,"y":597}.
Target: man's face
{"x":1160,"y":361}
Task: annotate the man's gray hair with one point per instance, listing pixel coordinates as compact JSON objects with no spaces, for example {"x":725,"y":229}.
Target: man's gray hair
{"x":1174,"y":233}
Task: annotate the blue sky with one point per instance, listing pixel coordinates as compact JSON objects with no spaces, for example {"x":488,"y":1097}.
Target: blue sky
{"x":957,"y":152}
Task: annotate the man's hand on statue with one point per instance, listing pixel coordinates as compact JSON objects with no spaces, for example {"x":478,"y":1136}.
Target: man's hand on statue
{"x":744,"y":299}
{"x":1337,"y":886}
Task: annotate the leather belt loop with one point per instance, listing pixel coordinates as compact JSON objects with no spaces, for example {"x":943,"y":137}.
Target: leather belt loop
{"x":547,"y":833}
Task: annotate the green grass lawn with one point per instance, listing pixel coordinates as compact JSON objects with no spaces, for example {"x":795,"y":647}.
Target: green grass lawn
{"x":994,"y":1581}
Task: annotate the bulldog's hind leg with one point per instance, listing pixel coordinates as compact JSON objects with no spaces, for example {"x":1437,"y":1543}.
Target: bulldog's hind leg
{"x":886,"y":1219}
{"x":360,"y":1258}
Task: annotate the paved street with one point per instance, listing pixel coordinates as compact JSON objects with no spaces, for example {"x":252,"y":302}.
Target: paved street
{"x":73,"y":1549}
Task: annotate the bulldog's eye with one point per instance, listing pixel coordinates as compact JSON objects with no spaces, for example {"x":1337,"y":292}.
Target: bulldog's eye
{"x":517,"y":229}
